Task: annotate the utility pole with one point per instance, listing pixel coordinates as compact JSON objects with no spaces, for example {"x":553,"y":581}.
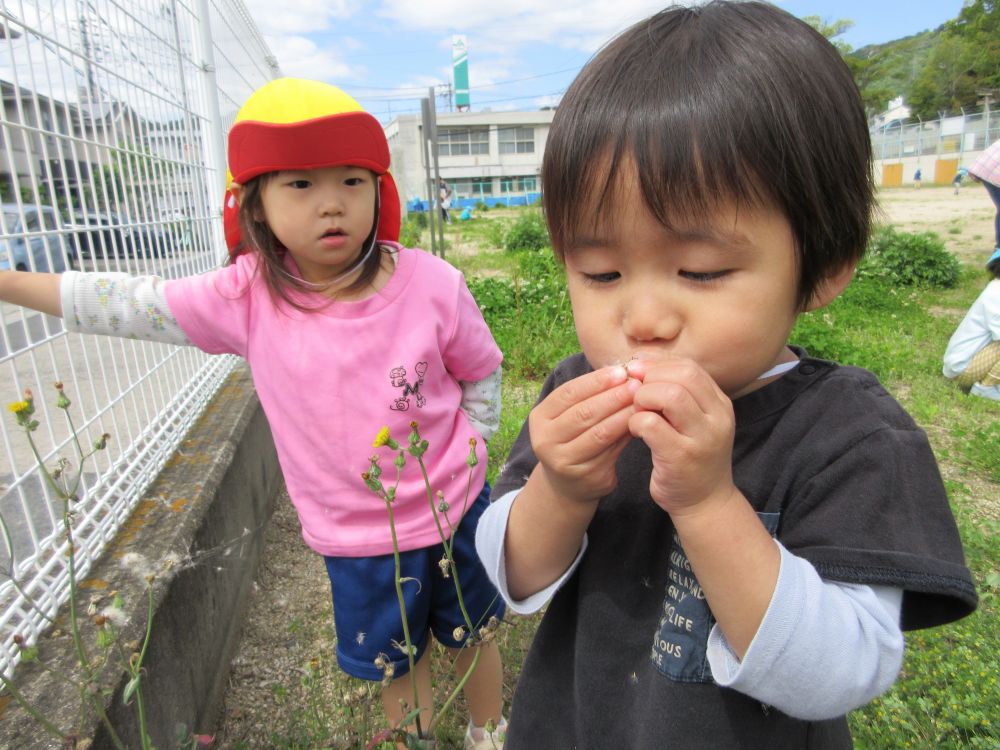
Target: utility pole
{"x":429,"y":140}
{"x":429,"y":112}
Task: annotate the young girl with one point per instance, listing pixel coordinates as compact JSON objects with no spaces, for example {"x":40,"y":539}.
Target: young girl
{"x":733,"y":534}
{"x":345,"y":331}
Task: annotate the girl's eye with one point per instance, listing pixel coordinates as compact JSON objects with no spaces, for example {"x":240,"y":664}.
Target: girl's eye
{"x":299,"y":184}
{"x":602,"y":278}
{"x":352,"y":181}
{"x":703,"y":276}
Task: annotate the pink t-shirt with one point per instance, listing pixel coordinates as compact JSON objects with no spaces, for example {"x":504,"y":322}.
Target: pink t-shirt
{"x":329,"y":379}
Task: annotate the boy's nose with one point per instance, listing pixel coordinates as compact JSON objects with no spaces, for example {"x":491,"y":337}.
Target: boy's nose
{"x":648,"y":317}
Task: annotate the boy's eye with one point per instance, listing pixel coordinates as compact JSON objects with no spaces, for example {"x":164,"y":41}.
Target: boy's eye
{"x":602,"y":278}
{"x":703,"y":276}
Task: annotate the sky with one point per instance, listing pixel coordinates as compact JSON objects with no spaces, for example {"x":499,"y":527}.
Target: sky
{"x":522,"y":53}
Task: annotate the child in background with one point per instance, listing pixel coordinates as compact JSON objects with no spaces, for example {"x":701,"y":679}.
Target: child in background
{"x":344,"y":331}
{"x":733,"y":534}
{"x":972,"y":357}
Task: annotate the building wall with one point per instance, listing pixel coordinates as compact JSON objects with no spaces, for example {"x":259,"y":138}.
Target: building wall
{"x":409,"y":160}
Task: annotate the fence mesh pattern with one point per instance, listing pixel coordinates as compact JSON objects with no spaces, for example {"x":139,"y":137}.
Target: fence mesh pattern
{"x":113,"y":121}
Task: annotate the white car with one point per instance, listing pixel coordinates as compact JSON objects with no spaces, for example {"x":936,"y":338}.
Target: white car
{"x":29,"y":239}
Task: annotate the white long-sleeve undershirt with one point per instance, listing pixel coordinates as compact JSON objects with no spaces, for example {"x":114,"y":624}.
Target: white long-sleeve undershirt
{"x":822,"y":649}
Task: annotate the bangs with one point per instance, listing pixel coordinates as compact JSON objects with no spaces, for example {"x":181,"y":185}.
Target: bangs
{"x":725,"y":104}
{"x":672,"y":127}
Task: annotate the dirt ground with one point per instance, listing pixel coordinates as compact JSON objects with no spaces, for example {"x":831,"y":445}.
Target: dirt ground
{"x":290,"y":620}
{"x":963,"y":221}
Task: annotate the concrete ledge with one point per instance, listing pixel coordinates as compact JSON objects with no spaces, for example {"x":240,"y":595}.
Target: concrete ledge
{"x":199,"y":531}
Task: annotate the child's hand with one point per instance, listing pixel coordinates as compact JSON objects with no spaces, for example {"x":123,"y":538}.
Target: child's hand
{"x":580,"y":429}
{"x":688,"y":424}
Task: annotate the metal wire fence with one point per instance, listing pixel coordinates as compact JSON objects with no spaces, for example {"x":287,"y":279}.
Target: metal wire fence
{"x":113,"y":124}
{"x":949,"y":136}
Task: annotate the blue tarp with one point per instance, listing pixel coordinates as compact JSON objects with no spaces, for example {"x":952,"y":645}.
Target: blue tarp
{"x":415,"y":204}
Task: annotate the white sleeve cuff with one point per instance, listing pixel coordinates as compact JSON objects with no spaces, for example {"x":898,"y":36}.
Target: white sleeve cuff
{"x":490,"y":536}
{"x":481,"y":402}
{"x":847,"y":633}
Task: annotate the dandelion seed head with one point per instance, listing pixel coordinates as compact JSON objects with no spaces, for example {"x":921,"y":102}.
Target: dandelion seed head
{"x":138,"y":565}
{"x":116,"y":615}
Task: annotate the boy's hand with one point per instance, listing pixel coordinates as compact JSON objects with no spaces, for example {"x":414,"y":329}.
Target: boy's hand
{"x":688,"y":424}
{"x":579,"y":430}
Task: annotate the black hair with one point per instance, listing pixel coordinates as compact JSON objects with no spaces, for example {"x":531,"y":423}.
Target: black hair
{"x":726,"y":103}
{"x":257,"y":236}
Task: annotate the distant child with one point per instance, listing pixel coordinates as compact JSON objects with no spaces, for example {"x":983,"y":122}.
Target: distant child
{"x":345,"y":331}
{"x":732,"y":533}
{"x":917,"y":177}
{"x":972,"y":357}
{"x":956,"y":181}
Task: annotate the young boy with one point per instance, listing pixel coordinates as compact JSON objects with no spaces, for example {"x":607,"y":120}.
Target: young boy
{"x":735,"y":533}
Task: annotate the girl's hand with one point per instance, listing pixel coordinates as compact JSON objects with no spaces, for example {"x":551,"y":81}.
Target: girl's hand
{"x":580,"y":429}
{"x":688,"y":424}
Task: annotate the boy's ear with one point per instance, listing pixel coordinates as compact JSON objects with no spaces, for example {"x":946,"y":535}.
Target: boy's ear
{"x":830,"y":288}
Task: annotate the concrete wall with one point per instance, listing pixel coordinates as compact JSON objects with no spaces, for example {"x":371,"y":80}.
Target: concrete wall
{"x":935,"y":169}
{"x":199,"y":529}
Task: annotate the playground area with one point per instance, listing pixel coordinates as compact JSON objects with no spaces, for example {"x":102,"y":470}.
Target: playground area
{"x":963,"y":221}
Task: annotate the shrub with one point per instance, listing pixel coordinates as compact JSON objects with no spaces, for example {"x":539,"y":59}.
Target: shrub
{"x":419,"y":218}
{"x":481,"y":206}
{"x":528,"y":232}
{"x":410,"y":231}
{"x":909,"y":259}
{"x":496,"y":233}
{"x":529,"y":315}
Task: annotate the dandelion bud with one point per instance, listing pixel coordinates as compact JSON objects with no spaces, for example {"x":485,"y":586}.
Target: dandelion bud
{"x":18,"y":640}
{"x":28,"y":395}
{"x":459,"y":633}
{"x":443,"y":507}
{"x":58,"y":385}
{"x":445,"y":566}
{"x":62,"y":401}
{"x":100,"y":620}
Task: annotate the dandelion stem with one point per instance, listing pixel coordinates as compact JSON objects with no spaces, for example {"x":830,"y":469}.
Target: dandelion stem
{"x":402,"y":613}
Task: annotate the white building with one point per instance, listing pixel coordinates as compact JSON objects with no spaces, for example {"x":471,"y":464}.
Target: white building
{"x":493,"y":157}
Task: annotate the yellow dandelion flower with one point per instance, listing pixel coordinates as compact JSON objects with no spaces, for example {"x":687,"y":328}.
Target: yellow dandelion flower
{"x":18,"y":406}
{"x":382,"y":438}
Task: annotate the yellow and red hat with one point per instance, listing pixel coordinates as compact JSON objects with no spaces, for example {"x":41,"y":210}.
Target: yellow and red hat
{"x":293,"y":123}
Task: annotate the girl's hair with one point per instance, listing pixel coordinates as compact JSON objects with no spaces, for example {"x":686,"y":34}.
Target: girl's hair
{"x":256,"y":235}
{"x":727,"y":103}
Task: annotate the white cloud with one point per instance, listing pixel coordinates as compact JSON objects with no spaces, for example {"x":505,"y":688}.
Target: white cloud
{"x":581,"y":25}
{"x":299,"y":17}
{"x":303,"y":58}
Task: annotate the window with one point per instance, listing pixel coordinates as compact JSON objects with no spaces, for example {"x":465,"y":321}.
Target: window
{"x":525,"y":184}
{"x":473,"y":188}
{"x":516,"y":140}
{"x":463,"y":141}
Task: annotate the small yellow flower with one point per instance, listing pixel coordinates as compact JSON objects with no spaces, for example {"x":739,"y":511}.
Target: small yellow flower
{"x":18,"y":406}
{"x":382,"y":438}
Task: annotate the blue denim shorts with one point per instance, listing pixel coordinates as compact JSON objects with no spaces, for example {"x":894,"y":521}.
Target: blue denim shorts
{"x":366,"y":608}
